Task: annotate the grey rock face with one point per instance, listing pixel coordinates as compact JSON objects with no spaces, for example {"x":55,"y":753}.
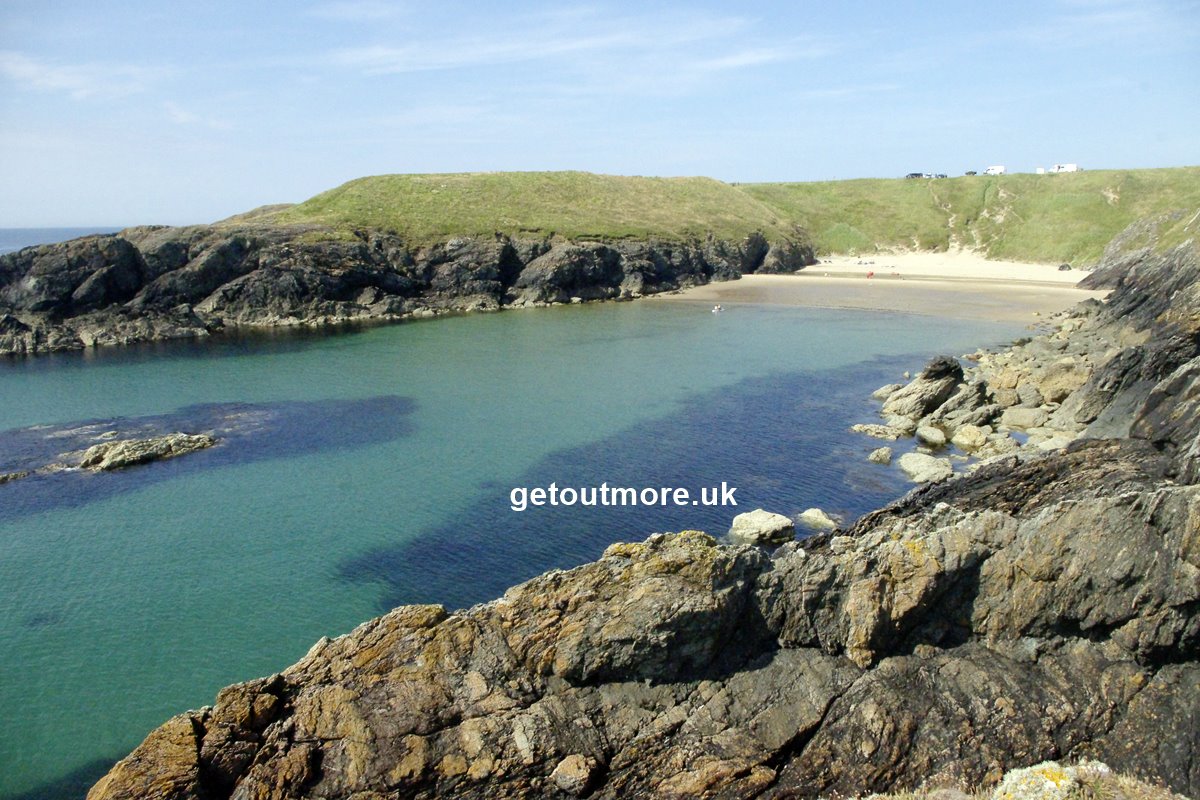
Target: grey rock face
{"x":160,"y":283}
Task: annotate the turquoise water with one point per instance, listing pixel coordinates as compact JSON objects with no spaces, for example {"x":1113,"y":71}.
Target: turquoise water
{"x":375,"y":469}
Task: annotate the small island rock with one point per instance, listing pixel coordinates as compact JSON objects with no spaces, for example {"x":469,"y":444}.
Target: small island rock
{"x":128,"y":452}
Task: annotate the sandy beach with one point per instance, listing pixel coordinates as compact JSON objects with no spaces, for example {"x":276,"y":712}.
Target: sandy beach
{"x":959,"y":285}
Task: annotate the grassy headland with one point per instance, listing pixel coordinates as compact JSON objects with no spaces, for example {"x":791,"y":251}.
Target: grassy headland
{"x":1068,"y":217}
{"x":574,"y":205}
{"x":1043,"y":218}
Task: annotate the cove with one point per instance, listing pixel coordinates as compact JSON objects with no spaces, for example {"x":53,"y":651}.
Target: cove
{"x":126,"y":606}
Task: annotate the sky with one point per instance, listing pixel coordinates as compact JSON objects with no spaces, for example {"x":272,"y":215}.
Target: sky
{"x":121,"y":113}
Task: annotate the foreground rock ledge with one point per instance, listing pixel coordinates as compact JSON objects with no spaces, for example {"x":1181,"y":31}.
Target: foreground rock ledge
{"x":1043,"y":607}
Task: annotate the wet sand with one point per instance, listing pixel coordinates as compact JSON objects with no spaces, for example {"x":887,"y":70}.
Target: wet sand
{"x":955,"y":285}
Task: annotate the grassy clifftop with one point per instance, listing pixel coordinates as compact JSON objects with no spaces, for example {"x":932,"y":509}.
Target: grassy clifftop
{"x":1048,"y":218}
{"x":1053,"y":218}
{"x":569,"y":204}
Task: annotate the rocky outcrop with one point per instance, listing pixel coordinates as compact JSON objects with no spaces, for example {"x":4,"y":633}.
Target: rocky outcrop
{"x":145,"y":284}
{"x":1044,"y":606}
{"x":124,"y":453}
{"x":945,"y":647}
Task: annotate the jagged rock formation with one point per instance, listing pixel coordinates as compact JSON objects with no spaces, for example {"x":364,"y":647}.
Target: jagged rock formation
{"x":123,"y":453}
{"x":1045,"y":606}
{"x":145,"y":284}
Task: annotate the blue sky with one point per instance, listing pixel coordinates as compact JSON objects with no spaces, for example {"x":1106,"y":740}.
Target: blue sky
{"x":140,"y":112}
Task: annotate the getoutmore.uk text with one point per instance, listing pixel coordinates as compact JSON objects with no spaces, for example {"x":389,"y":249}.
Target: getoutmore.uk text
{"x":522,"y":497}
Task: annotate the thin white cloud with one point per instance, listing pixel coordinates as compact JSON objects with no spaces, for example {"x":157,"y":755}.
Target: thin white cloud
{"x":701,"y":42}
{"x":80,"y":81}
{"x":355,"y":10}
{"x":181,"y":116}
{"x":1082,"y":23}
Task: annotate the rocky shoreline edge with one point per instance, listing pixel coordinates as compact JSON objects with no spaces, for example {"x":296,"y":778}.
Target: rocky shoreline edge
{"x":156,"y":283}
{"x":1045,"y":605}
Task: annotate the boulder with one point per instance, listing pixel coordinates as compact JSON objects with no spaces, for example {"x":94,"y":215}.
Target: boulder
{"x":922,"y":468}
{"x":816,"y":519}
{"x":931,"y":436}
{"x":574,"y":774}
{"x":904,"y":425}
{"x":1061,"y":378}
{"x":877,"y":431}
{"x":969,"y":438}
{"x":762,"y":528}
{"x":978,"y":417}
{"x":1028,"y":395}
{"x":881,"y":455}
{"x":969,"y":396}
{"x":934,"y":386}
{"x":884,"y":392}
{"x":1023,"y":418}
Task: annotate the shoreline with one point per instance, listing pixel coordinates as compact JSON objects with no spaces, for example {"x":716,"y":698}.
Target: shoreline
{"x":954,"y":285}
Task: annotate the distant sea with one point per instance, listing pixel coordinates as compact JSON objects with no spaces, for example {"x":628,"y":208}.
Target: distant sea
{"x":13,"y":239}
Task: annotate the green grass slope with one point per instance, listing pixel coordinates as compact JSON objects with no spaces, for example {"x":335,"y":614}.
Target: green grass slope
{"x":576,"y":205}
{"x":1048,"y":218}
{"x":1051,"y":218}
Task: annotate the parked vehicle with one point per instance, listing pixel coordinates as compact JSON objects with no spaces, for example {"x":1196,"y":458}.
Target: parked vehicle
{"x":996,"y":170}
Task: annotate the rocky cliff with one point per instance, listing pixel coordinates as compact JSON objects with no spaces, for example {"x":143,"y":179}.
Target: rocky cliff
{"x":145,"y":284}
{"x":1046,"y":605}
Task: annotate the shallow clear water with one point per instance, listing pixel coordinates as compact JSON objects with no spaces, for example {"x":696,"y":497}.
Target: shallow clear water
{"x":374,"y":468}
